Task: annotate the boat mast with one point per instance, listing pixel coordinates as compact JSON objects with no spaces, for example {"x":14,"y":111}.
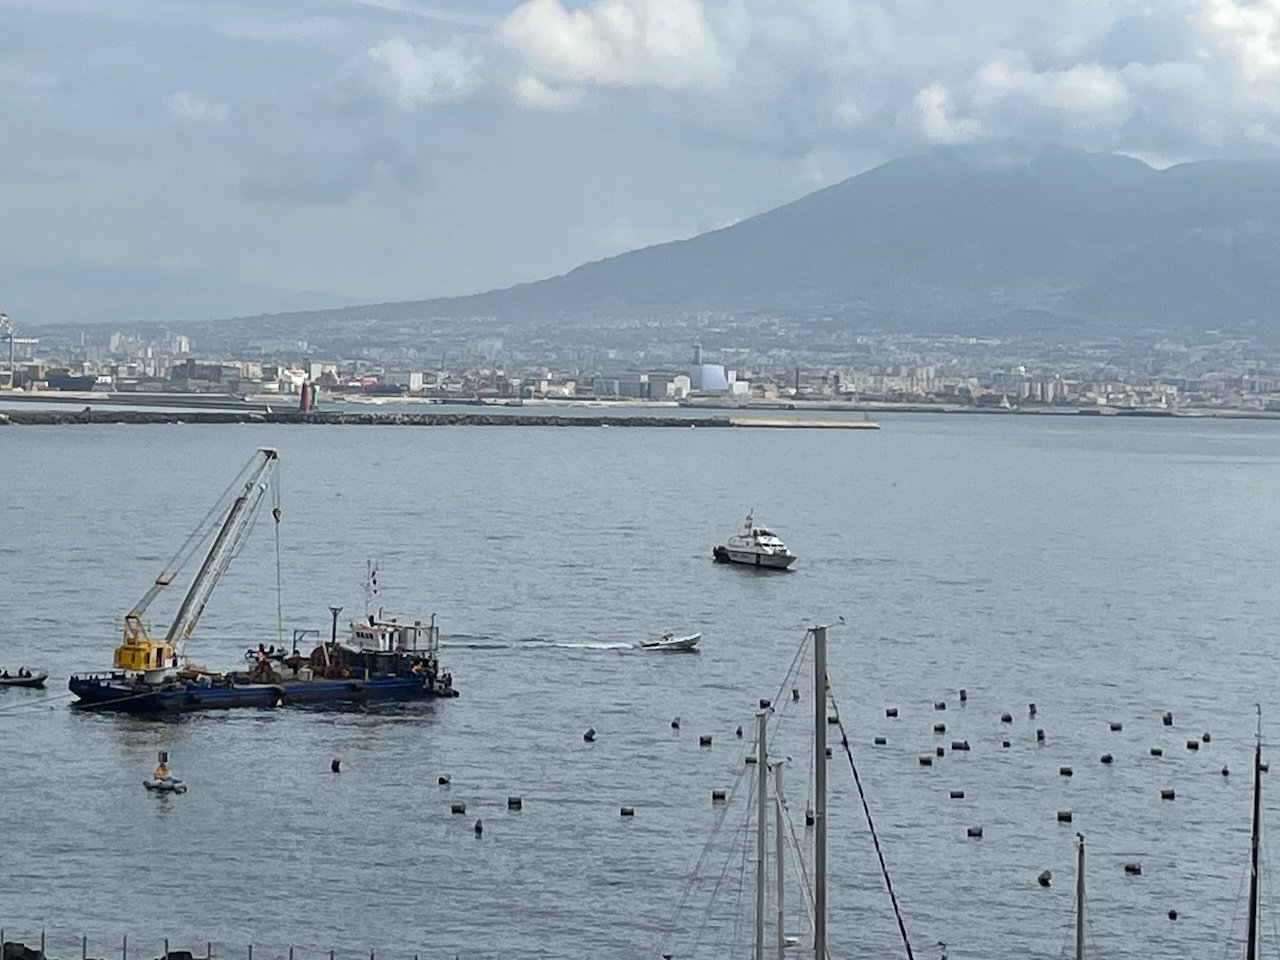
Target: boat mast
{"x":239,"y":519}
{"x":1251,"y":951}
{"x":820,"y":793}
{"x":1080,"y":898}
{"x":778,"y":855}
{"x":762,"y":787}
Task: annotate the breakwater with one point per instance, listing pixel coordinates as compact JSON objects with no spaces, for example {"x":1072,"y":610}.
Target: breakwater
{"x":45,"y":418}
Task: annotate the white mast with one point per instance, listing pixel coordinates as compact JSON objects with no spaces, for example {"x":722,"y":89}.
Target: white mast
{"x":778,"y":852}
{"x":762,"y":785}
{"x":820,"y":793}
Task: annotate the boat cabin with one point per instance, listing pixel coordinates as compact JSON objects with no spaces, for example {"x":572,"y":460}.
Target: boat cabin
{"x":390,"y":635}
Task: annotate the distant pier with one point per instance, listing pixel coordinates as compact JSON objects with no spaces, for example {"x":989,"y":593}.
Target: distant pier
{"x":45,"y":418}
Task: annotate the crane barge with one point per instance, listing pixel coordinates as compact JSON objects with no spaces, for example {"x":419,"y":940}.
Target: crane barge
{"x":383,"y":660}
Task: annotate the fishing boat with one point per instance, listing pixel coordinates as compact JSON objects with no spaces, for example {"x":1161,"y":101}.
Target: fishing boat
{"x":755,"y":547}
{"x":669,"y":641}
{"x":30,"y":680}
{"x":385,"y":660}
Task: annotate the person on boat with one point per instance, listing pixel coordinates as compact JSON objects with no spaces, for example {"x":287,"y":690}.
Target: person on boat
{"x":161,"y":772}
{"x":416,"y":669}
{"x":5,"y":675}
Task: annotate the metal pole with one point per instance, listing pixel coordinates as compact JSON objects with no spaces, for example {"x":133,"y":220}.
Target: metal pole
{"x":1251,"y":948}
{"x":820,"y":793}
{"x":762,"y":789}
{"x":42,"y":945}
{"x":124,"y":947}
{"x":84,"y":947}
{"x":1080,"y":899}
{"x":166,"y":948}
{"x":333,"y":634}
{"x":778,"y":857}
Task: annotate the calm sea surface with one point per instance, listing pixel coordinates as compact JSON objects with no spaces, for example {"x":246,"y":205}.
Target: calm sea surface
{"x":1105,"y":570}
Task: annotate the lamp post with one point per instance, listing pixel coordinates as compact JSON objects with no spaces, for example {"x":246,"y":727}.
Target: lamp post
{"x":333,"y":636}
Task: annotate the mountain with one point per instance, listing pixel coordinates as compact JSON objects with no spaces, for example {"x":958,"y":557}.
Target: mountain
{"x":957,"y":238}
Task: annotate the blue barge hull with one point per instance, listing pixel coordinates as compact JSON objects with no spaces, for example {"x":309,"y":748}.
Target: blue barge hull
{"x":114,"y":692}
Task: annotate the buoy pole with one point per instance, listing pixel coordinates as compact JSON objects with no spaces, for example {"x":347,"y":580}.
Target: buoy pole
{"x":762,"y":788}
{"x":779,"y":869}
{"x":1080,"y":897}
{"x":820,"y":793}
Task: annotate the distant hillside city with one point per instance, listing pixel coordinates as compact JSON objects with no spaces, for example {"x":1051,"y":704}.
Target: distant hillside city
{"x":993,"y":276}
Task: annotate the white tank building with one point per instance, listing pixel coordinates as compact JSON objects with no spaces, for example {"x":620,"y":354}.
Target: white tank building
{"x":708,"y":377}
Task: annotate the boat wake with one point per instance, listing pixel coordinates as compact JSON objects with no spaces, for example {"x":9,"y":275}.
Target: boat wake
{"x":465,"y":642}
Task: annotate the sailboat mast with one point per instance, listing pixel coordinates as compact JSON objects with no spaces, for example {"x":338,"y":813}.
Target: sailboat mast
{"x":1251,"y":951}
{"x":778,"y":855}
{"x":762,"y":787}
{"x":820,"y":793}
{"x":1080,"y":898}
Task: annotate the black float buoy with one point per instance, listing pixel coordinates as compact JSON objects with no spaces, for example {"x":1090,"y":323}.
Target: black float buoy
{"x":1106,"y":758}
{"x":891,"y":712}
{"x":964,"y":695}
{"x":1157,"y":752}
{"x":1225,"y":772}
{"x":1044,"y":878}
{"x":1064,"y":771}
{"x":765,"y":704}
{"x":1133,"y":869}
{"x":443,"y":781}
{"x":833,"y":720}
{"x":940,"y":705}
{"x":1031,"y":709}
{"x":1006,"y":718}
{"x":1193,"y":744}
{"x":940,"y":752}
{"x":479,"y":827}
{"x":795,"y":693}
{"x":809,"y":817}
{"x":1206,"y":738}
{"x":675,"y":724}
{"x":1064,"y":816}
{"x":717,"y":796}
{"x":880,"y":741}
{"x":1167,"y":795}
{"x":926,"y":760}
{"x":1116,"y":727}
{"x":828,"y":753}
{"x":957,"y":794}
{"x":336,"y":765}
{"x":1167,"y":719}
{"x":751,"y":759}
{"x":939,"y":728}
{"x":1039,"y":736}
{"x":1005,"y":744}
{"x":738,"y":733}
{"x":704,"y":740}
{"x":515,"y":803}
{"x":590,"y":735}
{"x":627,"y":811}
{"x":975,"y":832}
{"x":458,"y":808}
{"x":1173,"y":914}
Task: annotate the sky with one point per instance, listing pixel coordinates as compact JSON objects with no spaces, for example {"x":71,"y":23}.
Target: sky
{"x":194,"y":158}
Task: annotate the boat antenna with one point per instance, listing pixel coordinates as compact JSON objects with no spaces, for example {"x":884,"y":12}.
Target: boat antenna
{"x":1251,"y":950}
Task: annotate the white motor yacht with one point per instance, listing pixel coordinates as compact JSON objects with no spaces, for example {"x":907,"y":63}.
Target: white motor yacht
{"x":756,"y":547}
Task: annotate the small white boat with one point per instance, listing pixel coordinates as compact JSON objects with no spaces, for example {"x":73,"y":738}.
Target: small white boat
{"x":669,"y":641}
{"x":756,"y":547}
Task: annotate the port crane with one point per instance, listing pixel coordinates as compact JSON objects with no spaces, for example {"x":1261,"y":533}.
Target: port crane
{"x":227,"y":524}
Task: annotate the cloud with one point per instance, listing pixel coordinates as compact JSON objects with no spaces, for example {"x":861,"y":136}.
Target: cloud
{"x":414,"y":76}
{"x":665,"y":44}
{"x":190,"y":107}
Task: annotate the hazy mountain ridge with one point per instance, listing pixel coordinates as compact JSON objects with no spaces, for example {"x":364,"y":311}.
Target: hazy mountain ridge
{"x":954,"y":237}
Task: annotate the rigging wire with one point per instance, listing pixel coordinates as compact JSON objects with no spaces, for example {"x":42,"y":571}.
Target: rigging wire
{"x":707,"y":849}
{"x":875,"y":837}
{"x":741,"y":831}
